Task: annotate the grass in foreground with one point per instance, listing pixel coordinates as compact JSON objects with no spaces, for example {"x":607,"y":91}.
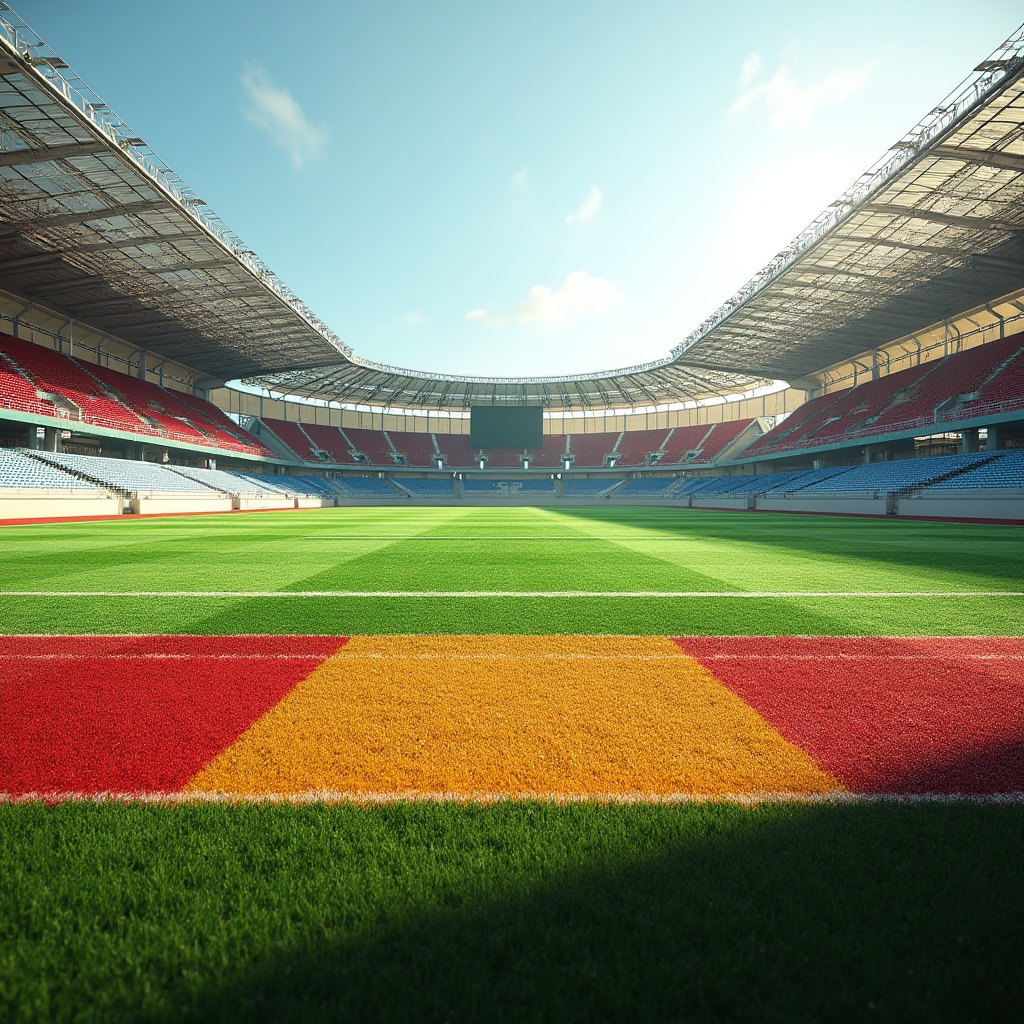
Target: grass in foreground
{"x":511,"y":911}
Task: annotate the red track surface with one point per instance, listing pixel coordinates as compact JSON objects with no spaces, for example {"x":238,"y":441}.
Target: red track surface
{"x":131,"y":714}
{"x":887,"y":715}
{"x":144,"y":714}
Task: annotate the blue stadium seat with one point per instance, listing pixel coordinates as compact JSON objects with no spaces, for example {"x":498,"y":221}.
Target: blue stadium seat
{"x":648,"y":487}
{"x":500,"y":488}
{"x":430,"y":487}
{"x":367,"y":487}
{"x":127,"y":476}
{"x":590,"y":488}
{"x":1005,"y":471}
{"x":23,"y":471}
{"x":882,"y":477}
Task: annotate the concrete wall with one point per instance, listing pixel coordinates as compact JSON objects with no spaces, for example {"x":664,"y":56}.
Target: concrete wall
{"x":249,"y":501}
{"x":859,"y":506}
{"x":955,"y":507}
{"x":16,"y":503}
{"x":153,"y":503}
{"x":314,"y":503}
{"x":719,"y":501}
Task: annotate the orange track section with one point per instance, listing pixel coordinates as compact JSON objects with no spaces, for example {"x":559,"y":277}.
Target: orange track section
{"x":522,"y":716}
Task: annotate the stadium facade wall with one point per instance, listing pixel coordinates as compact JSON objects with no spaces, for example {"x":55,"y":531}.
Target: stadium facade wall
{"x":441,"y":422}
{"x":833,"y":505}
{"x":963,"y":507}
{"x":247,"y":502}
{"x":36,"y":504}
{"x":719,"y":501}
{"x":177,"y":504}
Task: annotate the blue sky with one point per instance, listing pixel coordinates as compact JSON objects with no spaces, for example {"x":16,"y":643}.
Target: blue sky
{"x":519,"y":188}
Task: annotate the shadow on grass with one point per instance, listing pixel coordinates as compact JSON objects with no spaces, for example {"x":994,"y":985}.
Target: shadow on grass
{"x":514,"y":911}
{"x":902,"y":546}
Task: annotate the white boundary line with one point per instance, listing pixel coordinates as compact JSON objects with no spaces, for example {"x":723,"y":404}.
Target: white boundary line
{"x":461,"y":636}
{"x":190,"y":656}
{"x":328,"y":796}
{"x":556,"y":594}
{"x":675,"y":656}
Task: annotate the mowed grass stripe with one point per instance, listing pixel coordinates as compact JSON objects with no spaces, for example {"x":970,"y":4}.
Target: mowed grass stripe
{"x":911,"y":616}
{"x":618,"y":550}
{"x":693,"y":552}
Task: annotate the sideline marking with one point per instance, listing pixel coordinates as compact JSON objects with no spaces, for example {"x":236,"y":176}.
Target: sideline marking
{"x":558,"y":594}
{"x":328,"y":796}
{"x":581,"y":656}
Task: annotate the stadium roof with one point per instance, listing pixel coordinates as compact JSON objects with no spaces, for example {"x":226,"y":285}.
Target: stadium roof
{"x":933,"y":229}
{"x":92,"y":223}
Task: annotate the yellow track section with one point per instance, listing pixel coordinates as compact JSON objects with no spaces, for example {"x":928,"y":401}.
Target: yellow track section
{"x":516,"y":715}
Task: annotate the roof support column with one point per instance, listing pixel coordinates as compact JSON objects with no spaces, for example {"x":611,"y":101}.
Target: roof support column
{"x":1001,"y":319}
{"x":16,"y":319}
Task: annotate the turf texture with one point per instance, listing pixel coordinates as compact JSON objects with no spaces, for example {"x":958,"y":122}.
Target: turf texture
{"x":521,"y":910}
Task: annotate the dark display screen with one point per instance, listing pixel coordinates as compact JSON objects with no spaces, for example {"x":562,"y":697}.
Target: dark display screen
{"x":501,"y":426}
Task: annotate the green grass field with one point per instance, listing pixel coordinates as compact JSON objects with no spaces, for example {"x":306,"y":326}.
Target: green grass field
{"x":531,"y":910}
{"x":513,"y":550}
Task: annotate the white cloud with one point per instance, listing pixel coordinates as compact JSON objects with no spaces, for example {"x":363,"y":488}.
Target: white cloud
{"x":590,"y":204}
{"x":275,"y":111}
{"x":546,"y":309}
{"x":520,"y":180}
{"x":414,"y":319}
{"x":751,"y":66}
{"x":784,"y":100}
{"x":486,"y":318}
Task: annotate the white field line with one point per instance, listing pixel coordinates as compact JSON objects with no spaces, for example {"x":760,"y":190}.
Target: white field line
{"x":842,"y":656}
{"x":556,"y":594}
{"x":489,"y":656}
{"x":462,"y":636}
{"x":207,"y":636}
{"x":354,"y":654}
{"x":328,"y":796}
{"x":163,"y":656}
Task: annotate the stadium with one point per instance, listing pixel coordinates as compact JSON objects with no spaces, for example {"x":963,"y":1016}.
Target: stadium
{"x":333,"y":689}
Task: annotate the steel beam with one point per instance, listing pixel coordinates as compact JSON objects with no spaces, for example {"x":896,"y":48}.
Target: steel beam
{"x":16,"y":157}
{"x":985,"y":157}
{"x":934,"y":217}
{"x":891,"y":243}
{"x":85,"y":217}
{"x":19,"y":263}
